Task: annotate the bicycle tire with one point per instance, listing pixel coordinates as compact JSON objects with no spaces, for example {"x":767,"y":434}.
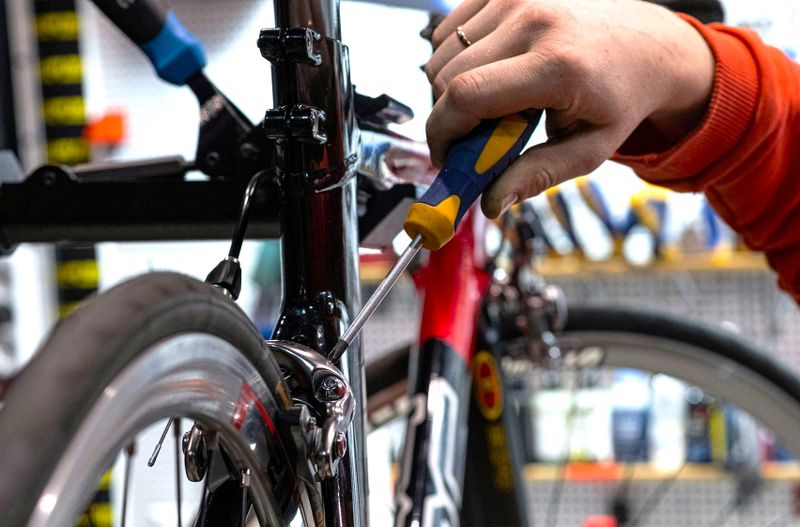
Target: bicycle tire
{"x":166,"y":327}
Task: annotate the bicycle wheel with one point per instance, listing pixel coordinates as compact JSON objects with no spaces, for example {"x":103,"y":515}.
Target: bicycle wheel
{"x":160,"y":346}
{"x":720,"y":363}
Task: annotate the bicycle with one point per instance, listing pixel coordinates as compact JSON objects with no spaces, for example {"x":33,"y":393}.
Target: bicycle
{"x":278,"y":429}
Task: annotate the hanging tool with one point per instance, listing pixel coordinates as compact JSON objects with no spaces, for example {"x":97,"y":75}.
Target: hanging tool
{"x":472,"y":164}
{"x":228,"y":143}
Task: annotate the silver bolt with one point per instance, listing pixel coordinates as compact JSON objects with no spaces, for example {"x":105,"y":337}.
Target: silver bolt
{"x":245,"y":481}
{"x":331,"y":389}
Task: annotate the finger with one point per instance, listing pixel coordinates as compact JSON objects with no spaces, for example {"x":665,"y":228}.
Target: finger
{"x":549,"y":164}
{"x":493,"y":48}
{"x":494,"y":90}
{"x":465,"y":10}
{"x":475,"y":29}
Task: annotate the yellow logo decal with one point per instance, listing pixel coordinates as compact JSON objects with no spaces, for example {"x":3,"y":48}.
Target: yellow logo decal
{"x":488,"y":385}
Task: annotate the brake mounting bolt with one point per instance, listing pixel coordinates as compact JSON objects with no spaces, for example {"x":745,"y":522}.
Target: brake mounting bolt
{"x":331,"y":389}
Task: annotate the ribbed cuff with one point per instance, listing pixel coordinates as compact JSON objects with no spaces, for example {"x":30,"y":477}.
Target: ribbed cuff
{"x":731,"y":109}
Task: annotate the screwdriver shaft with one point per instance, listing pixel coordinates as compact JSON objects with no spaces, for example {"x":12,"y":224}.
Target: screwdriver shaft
{"x":377,"y":297}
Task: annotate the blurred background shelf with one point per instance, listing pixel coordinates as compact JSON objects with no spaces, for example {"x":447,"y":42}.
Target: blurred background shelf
{"x":567,"y":266}
{"x":576,"y":472}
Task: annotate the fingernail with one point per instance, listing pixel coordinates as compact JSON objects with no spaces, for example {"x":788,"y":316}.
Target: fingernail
{"x":508,"y":203}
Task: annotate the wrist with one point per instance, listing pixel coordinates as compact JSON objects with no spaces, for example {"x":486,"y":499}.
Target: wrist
{"x":687,"y":102}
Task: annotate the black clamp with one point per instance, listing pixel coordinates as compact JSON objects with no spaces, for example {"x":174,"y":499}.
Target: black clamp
{"x":290,"y":45}
{"x":300,"y":122}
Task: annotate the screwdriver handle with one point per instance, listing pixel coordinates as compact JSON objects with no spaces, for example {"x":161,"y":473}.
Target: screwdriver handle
{"x":175,"y":53}
{"x":472,"y":164}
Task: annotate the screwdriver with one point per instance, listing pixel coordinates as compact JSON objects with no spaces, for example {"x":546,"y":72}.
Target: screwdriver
{"x":472,"y":164}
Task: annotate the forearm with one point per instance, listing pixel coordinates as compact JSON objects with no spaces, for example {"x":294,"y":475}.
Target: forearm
{"x":745,"y":154}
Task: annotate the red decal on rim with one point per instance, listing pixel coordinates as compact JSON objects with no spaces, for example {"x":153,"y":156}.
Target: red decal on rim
{"x":246,"y":398}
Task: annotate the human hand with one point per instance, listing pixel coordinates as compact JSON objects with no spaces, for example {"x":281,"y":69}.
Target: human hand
{"x":598,"y":67}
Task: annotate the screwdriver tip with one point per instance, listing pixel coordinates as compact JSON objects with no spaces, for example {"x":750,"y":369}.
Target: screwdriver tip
{"x":338,"y":349}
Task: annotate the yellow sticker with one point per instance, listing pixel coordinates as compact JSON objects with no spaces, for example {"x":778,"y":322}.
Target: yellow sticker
{"x":488,"y":385}
{"x":67,"y":151}
{"x":66,"y":111}
{"x":61,"y":69}
{"x":57,"y":25}
{"x":80,"y":274}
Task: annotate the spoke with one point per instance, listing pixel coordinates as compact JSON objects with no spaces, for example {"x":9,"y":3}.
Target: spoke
{"x":558,"y":486}
{"x":128,"y":454}
{"x":725,"y":513}
{"x":177,"y":431}
{"x":157,"y":449}
{"x":656,"y":497}
{"x":780,"y":521}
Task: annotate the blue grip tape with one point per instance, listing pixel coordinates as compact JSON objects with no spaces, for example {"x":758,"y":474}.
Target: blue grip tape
{"x":175,"y":53}
{"x":459,"y":175}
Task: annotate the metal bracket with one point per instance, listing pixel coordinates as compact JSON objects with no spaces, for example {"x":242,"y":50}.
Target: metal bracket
{"x":319,"y":388}
{"x":290,"y":45}
{"x":301,"y":122}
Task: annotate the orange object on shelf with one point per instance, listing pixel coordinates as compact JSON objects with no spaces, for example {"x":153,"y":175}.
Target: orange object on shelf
{"x":593,"y":471}
{"x":600,"y":521}
{"x":107,"y":130}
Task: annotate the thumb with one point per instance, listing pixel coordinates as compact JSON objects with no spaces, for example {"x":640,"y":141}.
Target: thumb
{"x":548,"y":164}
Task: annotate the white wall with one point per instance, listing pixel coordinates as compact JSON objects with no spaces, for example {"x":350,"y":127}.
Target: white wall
{"x":776,"y":21}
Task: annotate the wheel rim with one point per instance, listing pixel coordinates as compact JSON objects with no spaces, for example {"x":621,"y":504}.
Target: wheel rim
{"x":194,"y":375}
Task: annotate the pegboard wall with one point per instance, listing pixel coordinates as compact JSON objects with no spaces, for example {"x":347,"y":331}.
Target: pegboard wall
{"x":684,"y":504}
{"x":747,"y":301}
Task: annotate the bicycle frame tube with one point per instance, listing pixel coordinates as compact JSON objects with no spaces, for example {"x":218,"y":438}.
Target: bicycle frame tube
{"x":452,"y":432}
{"x":431,"y":474}
{"x":319,"y":229}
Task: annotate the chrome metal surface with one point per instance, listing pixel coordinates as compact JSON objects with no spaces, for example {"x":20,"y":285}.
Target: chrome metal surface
{"x":331,"y":389}
{"x":316,"y":382}
{"x":195,"y":451}
{"x":377,"y":297}
{"x":320,"y":15}
{"x":193,"y":374}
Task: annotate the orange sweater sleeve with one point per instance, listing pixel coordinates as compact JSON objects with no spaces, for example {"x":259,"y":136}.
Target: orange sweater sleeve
{"x":745,"y":155}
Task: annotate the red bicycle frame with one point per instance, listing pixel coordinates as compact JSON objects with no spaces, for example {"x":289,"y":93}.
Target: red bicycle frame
{"x":452,"y":431}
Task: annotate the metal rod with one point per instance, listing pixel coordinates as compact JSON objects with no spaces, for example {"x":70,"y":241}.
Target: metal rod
{"x":157,"y":449}
{"x":377,"y":297}
{"x":129,"y":451}
{"x":244,"y":214}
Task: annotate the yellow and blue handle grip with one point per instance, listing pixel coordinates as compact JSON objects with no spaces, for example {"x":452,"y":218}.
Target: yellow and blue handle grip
{"x":472,"y":164}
